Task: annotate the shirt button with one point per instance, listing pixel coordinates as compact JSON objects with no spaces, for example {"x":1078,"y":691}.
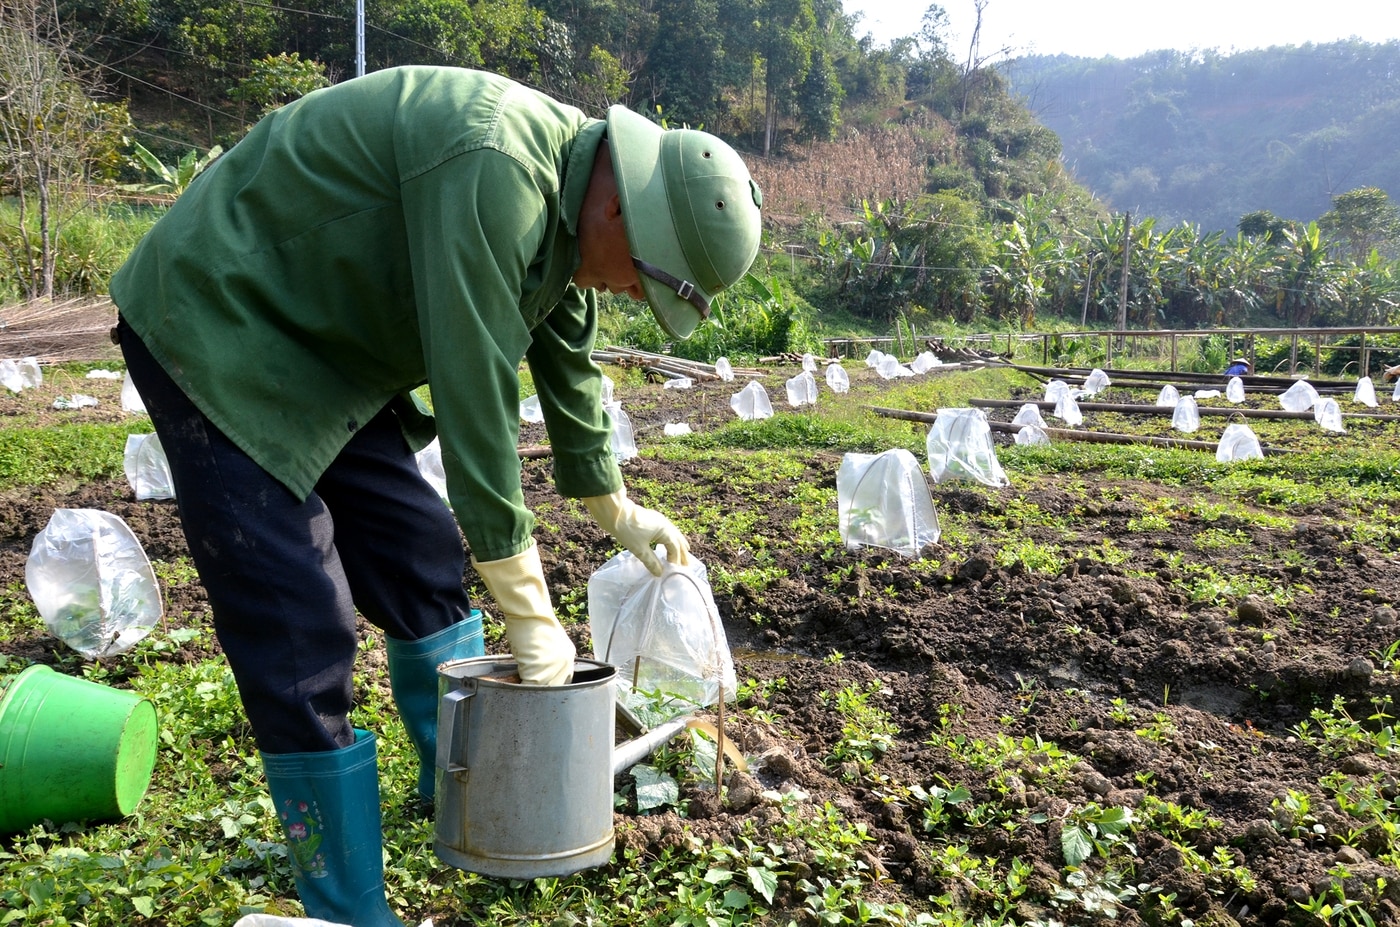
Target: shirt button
{"x":352,"y":424}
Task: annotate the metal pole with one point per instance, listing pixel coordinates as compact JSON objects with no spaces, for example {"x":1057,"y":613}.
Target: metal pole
{"x":359,"y":38}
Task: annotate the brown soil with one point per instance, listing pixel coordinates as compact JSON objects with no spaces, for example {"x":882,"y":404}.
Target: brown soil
{"x":1020,"y":654}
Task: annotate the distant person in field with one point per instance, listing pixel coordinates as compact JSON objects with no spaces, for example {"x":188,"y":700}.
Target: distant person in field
{"x":419,"y":226}
{"x":1239,"y":367}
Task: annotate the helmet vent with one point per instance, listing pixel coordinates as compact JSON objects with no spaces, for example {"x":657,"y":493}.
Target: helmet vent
{"x":705,"y":154}
{"x":719,"y":204}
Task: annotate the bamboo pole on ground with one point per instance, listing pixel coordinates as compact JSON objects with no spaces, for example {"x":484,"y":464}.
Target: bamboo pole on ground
{"x":1065,"y":434}
{"x":1140,"y":409}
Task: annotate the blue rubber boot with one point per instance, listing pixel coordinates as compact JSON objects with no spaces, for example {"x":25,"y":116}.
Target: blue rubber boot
{"x":328,"y":803}
{"x":414,"y":681}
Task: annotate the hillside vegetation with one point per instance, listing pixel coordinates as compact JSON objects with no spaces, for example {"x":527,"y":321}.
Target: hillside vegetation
{"x":1207,"y":137}
{"x":906,"y":185}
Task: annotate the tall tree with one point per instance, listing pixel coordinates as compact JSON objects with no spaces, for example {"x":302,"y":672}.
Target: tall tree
{"x":684,"y":71}
{"x":1363,"y":219}
{"x":48,"y":131}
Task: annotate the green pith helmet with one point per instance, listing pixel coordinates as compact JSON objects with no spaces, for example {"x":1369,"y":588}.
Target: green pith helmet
{"x":691,"y":212}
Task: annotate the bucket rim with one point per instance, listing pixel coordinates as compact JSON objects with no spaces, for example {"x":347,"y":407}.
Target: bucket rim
{"x":489,"y":662}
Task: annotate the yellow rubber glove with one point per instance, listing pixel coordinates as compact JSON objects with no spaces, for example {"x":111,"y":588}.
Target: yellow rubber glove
{"x":639,"y":529}
{"x":544,"y":655}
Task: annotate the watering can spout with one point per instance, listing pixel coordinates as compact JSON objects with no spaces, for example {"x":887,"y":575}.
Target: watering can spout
{"x":631,"y":752}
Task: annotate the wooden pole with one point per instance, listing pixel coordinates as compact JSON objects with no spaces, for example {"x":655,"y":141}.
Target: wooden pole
{"x":1140,"y":409}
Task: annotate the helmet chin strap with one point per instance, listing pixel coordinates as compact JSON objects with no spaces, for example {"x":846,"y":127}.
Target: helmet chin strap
{"x":683,"y":288}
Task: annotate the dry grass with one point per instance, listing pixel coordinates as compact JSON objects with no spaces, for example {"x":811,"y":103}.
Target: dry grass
{"x":830,"y":179}
{"x":59,"y":330}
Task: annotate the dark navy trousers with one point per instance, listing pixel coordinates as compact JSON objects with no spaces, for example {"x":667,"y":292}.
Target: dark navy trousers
{"x":285,"y":577}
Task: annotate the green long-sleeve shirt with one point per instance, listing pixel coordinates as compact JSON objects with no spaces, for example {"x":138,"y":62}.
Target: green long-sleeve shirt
{"x":416,"y":225}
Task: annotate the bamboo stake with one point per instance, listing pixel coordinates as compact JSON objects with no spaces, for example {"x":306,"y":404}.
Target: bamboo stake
{"x":719,"y":746}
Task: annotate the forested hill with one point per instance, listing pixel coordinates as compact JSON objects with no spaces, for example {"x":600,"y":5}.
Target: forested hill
{"x":1207,"y":137}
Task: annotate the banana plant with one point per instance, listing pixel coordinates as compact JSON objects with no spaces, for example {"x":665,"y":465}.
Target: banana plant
{"x":173,"y":180}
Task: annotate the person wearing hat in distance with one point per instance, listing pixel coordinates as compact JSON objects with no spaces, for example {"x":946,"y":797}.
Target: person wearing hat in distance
{"x":414,"y":226}
{"x":1239,"y":367}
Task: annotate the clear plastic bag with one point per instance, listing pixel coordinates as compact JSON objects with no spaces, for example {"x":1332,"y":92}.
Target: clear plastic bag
{"x":131,"y":399}
{"x":663,"y":633}
{"x":147,"y":470}
{"x":1032,"y":435}
{"x":802,"y":390}
{"x":883,"y":501}
{"x":21,"y":374}
{"x":1168,"y":396}
{"x":925,"y":362}
{"x":1067,"y":410}
{"x":1029,"y":414}
{"x":960,"y":448}
{"x":1096,"y":382}
{"x":1186,"y":416}
{"x":838,"y":379}
{"x":429,"y":461}
{"x":1238,"y":442}
{"x":624,"y":442}
{"x":751,"y":402}
{"x":1234,"y":390}
{"x":530,"y":410}
{"x":1300,"y":397}
{"x":678,"y":383}
{"x":890,"y":368}
{"x":92,"y":582}
{"x":809,"y":364}
{"x":724,"y":370}
{"x":1365,"y":392}
{"x":1329,"y":415}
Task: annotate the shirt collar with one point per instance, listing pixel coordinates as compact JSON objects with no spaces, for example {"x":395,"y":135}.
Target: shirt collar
{"x":578,"y":170}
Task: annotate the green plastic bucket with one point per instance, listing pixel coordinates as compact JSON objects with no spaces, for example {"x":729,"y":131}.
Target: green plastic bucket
{"x":71,"y":750}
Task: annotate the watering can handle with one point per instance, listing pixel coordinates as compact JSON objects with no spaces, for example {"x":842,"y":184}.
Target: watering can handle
{"x":452,"y":729}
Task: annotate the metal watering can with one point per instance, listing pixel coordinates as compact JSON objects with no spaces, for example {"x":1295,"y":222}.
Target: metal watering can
{"x":525,"y":773}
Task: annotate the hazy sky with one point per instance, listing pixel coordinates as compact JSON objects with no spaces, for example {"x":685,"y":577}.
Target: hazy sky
{"x":1094,"y":28}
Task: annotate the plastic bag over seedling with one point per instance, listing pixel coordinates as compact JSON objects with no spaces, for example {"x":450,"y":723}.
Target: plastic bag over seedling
{"x":1238,"y":442}
{"x":1329,"y":415}
{"x":1067,"y":410}
{"x":1032,"y":435}
{"x":751,"y":402}
{"x":809,"y":364}
{"x":147,"y":470}
{"x":672,"y":429}
{"x":530,"y":410}
{"x":883,"y":501}
{"x":837,"y":379}
{"x":1299,"y":397}
{"x":724,"y":369}
{"x":874,"y":357}
{"x":678,"y":383}
{"x":429,"y":461}
{"x":1206,"y":394}
{"x":21,"y":374}
{"x":131,"y":399}
{"x":890,"y":368}
{"x":1056,"y":389}
{"x":960,"y":448}
{"x":1365,"y":392}
{"x":1168,"y":396}
{"x":1396,"y":395}
{"x":624,"y":444}
{"x":605,"y":391}
{"x":1234,"y":390}
{"x":663,"y":633}
{"x":802,"y":390}
{"x":92,"y":583}
{"x":1096,"y":382}
{"x":925,"y":362}
{"x":1029,"y":414}
{"x":1186,"y":417}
